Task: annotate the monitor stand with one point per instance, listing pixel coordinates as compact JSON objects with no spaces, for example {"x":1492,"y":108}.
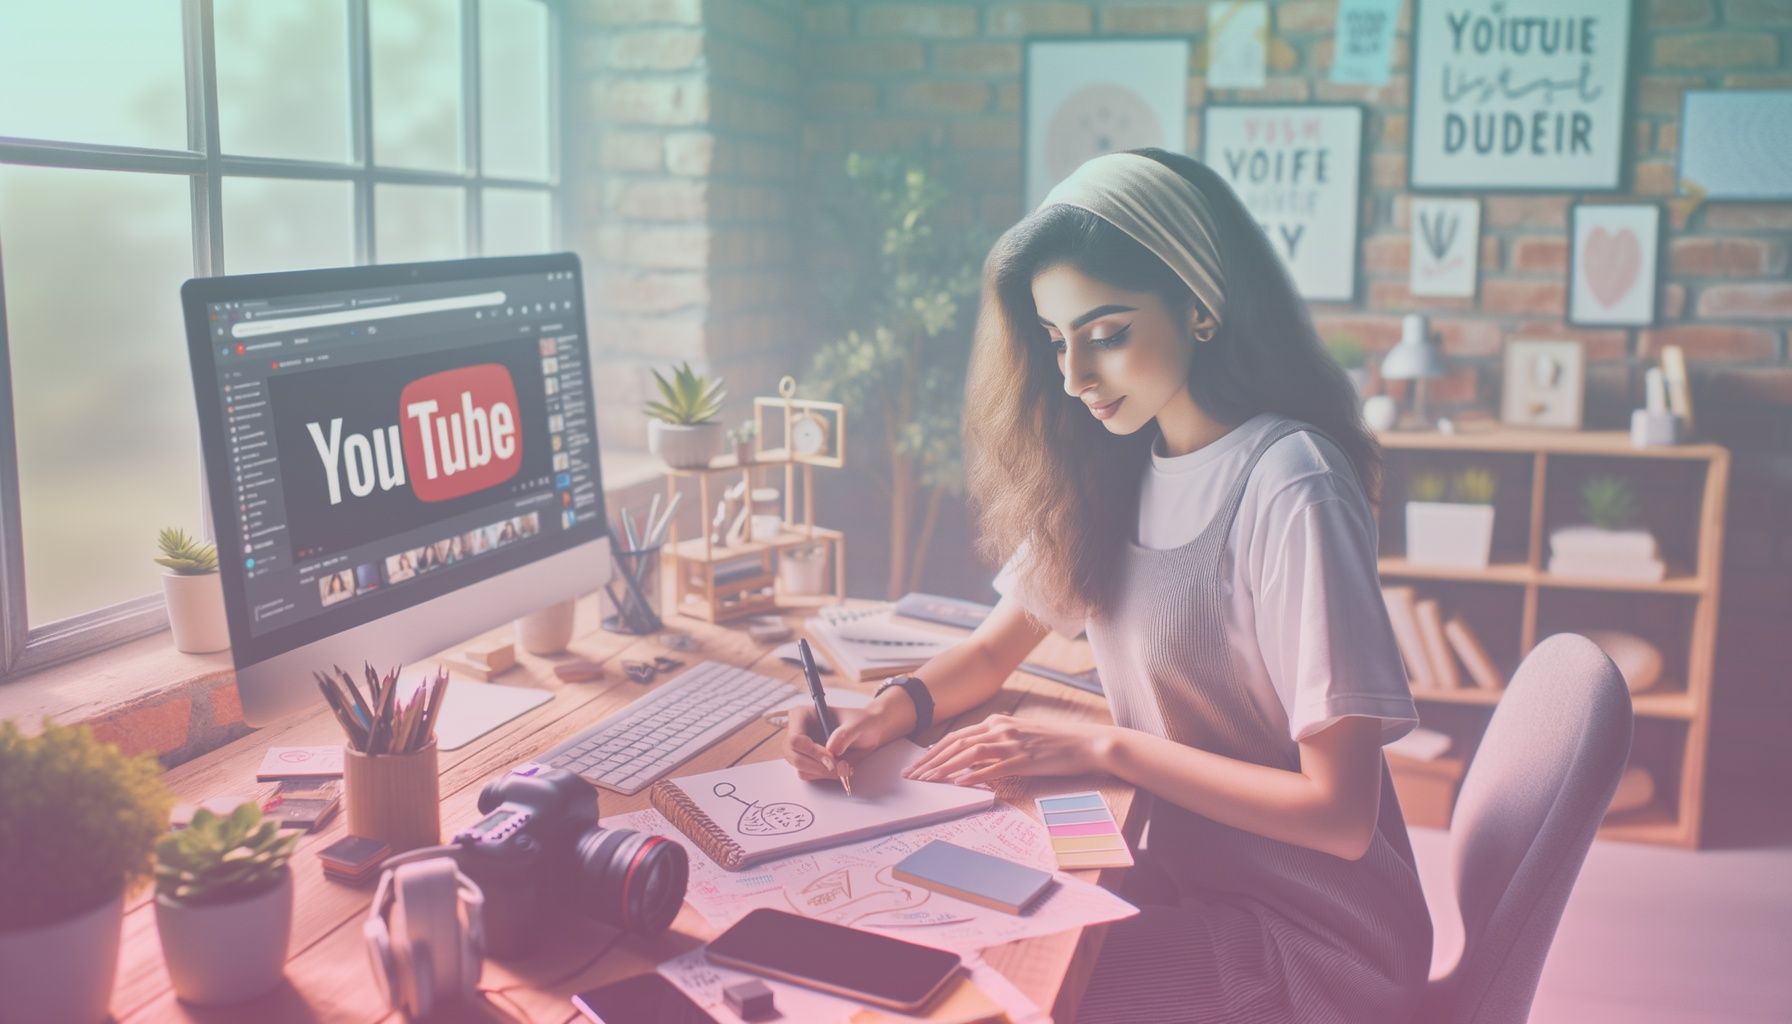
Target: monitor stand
{"x":470,"y":708}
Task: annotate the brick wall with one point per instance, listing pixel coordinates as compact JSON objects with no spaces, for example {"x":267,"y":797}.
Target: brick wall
{"x":705,"y":120}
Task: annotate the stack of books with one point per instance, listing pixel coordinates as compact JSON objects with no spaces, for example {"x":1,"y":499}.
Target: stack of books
{"x":867,"y":643}
{"x":1438,"y":651}
{"x":1594,"y":553}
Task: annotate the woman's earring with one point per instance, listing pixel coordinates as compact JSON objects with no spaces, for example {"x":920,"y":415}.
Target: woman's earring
{"x":1204,"y":334}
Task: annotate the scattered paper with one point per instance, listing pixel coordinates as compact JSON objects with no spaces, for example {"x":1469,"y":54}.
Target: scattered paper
{"x":855,"y":884}
{"x":704,"y":981}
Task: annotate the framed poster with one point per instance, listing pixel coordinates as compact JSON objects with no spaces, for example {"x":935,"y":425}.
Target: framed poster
{"x":1237,"y":37}
{"x":1299,"y":170}
{"x":1525,"y":95}
{"x":1736,"y":144}
{"x":1081,"y":98}
{"x":1446,"y":246}
{"x":1612,"y":263}
{"x":1544,"y":384}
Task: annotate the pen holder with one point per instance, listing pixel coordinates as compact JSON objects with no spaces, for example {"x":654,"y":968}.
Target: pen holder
{"x":393,"y":797}
{"x":635,"y":591}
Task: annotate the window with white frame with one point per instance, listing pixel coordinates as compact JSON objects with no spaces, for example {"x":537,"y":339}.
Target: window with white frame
{"x":143,"y":142}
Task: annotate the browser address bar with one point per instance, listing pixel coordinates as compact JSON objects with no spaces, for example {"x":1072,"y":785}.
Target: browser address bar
{"x":280,"y":325}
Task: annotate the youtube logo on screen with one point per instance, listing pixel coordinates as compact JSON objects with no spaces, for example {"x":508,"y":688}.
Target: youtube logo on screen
{"x":369,"y":449}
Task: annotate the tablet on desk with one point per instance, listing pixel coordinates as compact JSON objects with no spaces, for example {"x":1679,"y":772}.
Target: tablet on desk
{"x":844,"y":961}
{"x":642,"y":999}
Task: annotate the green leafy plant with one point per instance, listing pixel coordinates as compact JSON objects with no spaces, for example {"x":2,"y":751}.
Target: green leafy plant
{"x":185,"y":556}
{"x":1347,"y":351}
{"x":78,"y":820}
{"x":1427,"y":487}
{"x":688,"y":398}
{"x":1608,"y":502}
{"x":744,"y":433}
{"x":1473,"y":486}
{"x":896,"y":263}
{"x":222,"y":858}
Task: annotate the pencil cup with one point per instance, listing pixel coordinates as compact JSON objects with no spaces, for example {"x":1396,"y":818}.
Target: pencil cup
{"x":635,"y":591}
{"x":393,"y":797}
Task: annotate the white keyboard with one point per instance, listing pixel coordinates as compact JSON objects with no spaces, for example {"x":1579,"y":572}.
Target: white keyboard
{"x":633,"y":748}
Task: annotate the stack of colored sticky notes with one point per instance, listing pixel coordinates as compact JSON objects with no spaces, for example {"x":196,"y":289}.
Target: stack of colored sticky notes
{"x":1083,"y":831}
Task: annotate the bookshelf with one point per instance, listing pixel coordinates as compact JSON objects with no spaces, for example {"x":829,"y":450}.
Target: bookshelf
{"x":1516,"y":600}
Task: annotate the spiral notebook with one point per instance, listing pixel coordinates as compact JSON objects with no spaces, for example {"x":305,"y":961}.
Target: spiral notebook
{"x":754,"y":812}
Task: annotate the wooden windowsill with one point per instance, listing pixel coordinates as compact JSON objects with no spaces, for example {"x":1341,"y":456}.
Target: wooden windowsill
{"x":147,"y":696}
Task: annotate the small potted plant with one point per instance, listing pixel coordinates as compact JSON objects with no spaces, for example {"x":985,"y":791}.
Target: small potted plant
{"x":1607,"y":546}
{"x":741,"y":438}
{"x":802,"y":569}
{"x":1456,"y":531}
{"x":224,"y":905}
{"x":194,"y":595}
{"x":1349,"y":353}
{"x":78,"y":820}
{"x":682,"y":427}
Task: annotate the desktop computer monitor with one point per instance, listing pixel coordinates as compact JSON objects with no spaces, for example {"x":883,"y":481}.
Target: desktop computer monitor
{"x":397,"y":458}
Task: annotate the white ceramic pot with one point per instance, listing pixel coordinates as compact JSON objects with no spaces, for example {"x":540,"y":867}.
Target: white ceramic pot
{"x":803,"y":571}
{"x":547,"y":630}
{"x":62,"y":973}
{"x":196,"y":612}
{"x":228,"y":952}
{"x":1380,"y":412}
{"x":1449,"y":534}
{"x":684,"y":446}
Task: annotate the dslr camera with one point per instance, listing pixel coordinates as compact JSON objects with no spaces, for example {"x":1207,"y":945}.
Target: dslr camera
{"x":539,"y":849}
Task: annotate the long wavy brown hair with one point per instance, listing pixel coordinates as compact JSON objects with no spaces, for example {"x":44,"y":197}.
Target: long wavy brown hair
{"x":1042,"y":471}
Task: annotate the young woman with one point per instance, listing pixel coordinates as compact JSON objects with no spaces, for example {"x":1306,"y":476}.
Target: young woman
{"x":1161,"y":454}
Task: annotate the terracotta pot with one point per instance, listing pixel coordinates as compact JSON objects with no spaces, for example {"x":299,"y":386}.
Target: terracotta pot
{"x":227,"y":952}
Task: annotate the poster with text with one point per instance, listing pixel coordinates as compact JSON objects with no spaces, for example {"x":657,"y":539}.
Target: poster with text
{"x":1298,"y":169}
{"x":1446,"y":240}
{"x":1237,"y":41}
{"x":1528,"y":94}
{"x":1085,"y":98}
{"x":1613,"y":268}
{"x":1364,"y":48}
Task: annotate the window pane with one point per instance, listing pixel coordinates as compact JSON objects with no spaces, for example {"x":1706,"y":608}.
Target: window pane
{"x":515,"y":221}
{"x":513,"y":88}
{"x":416,"y":83}
{"x":419,"y":222}
{"x":275,"y":224}
{"x":108,"y":448}
{"x":283,"y":78}
{"x":49,"y":55}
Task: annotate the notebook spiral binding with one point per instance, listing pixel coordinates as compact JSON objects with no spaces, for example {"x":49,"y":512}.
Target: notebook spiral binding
{"x":687,"y":817}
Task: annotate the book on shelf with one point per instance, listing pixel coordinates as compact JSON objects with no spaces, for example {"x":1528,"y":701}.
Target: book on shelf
{"x":1594,"y":542}
{"x":1431,"y":630}
{"x":1609,"y":567}
{"x":1399,"y":601}
{"x":1480,"y":665}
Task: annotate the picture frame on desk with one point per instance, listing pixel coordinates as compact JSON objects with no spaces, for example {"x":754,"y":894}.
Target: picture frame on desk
{"x":1543,"y":383}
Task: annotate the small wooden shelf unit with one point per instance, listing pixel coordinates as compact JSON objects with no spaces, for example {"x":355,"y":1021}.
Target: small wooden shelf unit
{"x":1674,"y":717}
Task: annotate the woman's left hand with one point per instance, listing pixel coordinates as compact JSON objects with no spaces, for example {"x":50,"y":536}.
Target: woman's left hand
{"x":1004,"y":745}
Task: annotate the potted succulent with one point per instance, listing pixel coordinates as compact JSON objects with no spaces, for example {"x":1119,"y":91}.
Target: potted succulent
{"x":78,"y":820}
{"x":1450,"y":530}
{"x":224,"y":905}
{"x":1349,"y":353}
{"x":1607,"y":546}
{"x":741,"y":438}
{"x":682,"y":427}
{"x":193,"y":593}
{"x":802,"y":569}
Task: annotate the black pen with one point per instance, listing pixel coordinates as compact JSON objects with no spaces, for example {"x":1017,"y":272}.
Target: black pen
{"x":823,"y":714}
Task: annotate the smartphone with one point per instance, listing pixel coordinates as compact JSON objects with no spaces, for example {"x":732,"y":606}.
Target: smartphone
{"x":642,"y":999}
{"x":845,"y":961}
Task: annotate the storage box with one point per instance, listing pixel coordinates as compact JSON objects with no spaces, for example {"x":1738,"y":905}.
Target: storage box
{"x":1427,"y":789}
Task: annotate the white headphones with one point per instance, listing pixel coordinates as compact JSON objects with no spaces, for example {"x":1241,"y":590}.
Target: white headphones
{"x":424,"y":954}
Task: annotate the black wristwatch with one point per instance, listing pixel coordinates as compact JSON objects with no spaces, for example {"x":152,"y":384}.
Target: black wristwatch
{"x":918,"y":695}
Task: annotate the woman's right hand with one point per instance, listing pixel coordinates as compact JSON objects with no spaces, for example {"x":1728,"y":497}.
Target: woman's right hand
{"x":860,"y":731}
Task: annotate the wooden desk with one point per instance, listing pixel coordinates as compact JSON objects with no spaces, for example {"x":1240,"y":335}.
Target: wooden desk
{"x":327,"y":973}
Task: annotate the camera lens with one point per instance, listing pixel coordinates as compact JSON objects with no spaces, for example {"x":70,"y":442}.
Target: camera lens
{"x":631,"y":880}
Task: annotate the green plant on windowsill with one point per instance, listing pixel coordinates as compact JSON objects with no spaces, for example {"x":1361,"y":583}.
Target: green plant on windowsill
{"x":222,"y":858}
{"x":184,"y":556}
{"x":1608,"y":502}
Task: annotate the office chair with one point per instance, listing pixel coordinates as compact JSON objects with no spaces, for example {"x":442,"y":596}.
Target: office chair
{"x":1533,"y":797}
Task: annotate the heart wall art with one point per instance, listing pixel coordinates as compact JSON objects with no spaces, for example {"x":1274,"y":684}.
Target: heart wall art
{"x":1612,"y":275}
{"x":1446,"y":239}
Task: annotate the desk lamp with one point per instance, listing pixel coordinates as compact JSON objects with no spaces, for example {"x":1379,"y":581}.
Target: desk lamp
{"x":1414,"y":359}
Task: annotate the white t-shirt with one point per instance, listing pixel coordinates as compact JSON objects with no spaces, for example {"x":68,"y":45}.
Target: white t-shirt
{"x":1304,"y":618}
